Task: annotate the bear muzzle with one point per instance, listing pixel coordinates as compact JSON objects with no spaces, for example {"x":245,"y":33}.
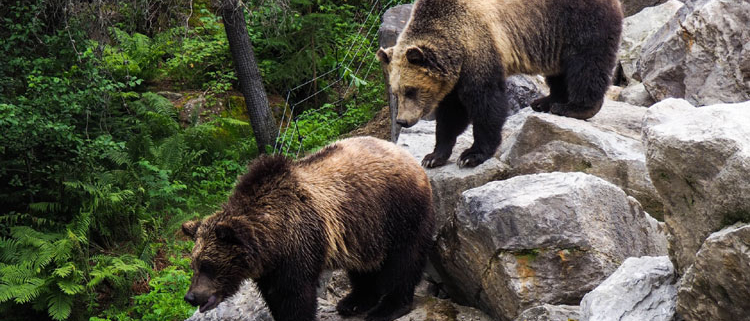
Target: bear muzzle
{"x":204,"y":302}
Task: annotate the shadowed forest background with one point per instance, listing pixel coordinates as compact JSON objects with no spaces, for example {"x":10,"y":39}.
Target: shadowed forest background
{"x":104,"y":152}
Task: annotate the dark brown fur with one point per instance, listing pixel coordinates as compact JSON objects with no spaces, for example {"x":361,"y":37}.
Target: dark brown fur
{"x":363,"y":205}
{"x":454,"y":55}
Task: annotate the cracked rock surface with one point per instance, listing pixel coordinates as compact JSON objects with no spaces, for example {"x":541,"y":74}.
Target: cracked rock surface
{"x":542,"y":238}
{"x":717,"y":286}
{"x":641,"y":289}
{"x":699,"y":161}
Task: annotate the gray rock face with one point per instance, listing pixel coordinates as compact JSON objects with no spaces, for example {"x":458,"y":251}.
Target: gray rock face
{"x":717,"y":286}
{"x":631,"y":7}
{"x":636,"y":29}
{"x":608,"y":146}
{"x":702,"y":54}
{"x":641,"y":289}
{"x":449,"y":181}
{"x":544,"y":238}
{"x":394,"y":21}
{"x":636,"y":95}
{"x":523,"y":89}
{"x":549,"y":312}
{"x":699,"y":161}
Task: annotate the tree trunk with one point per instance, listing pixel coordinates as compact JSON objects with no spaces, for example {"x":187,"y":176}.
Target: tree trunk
{"x":251,"y":83}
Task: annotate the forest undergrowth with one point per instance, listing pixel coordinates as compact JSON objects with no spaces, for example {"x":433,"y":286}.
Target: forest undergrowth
{"x":97,"y":171}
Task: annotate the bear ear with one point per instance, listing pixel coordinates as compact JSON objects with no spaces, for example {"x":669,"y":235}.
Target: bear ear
{"x":426,"y":57}
{"x":384,"y":55}
{"x":232,"y":232}
{"x":416,"y":55}
{"x":190,"y":227}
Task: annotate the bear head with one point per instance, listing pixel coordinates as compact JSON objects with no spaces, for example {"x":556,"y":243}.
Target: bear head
{"x":240,"y":241}
{"x":224,"y":255}
{"x":419,"y":78}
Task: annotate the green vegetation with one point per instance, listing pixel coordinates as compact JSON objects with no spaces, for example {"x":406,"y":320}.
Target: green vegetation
{"x":97,"y":171}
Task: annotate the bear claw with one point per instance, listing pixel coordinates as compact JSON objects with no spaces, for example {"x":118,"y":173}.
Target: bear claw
{"x":432,"y":161}
{"x":471,"y":158}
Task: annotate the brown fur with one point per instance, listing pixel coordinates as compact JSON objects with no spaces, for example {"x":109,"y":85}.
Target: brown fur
{"x":456,"y":54}
{"x":331,"y":210}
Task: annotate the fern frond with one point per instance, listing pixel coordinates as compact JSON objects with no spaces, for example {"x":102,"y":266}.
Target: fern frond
{"x":70,"y":287}
{"x":45,"y":207}
{"x":59,"y":305}
{"x":28,"y":291}
{"x":64,"y":270}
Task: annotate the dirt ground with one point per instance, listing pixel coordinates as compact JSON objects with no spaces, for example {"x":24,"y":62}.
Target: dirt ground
{"x":379,"y":126}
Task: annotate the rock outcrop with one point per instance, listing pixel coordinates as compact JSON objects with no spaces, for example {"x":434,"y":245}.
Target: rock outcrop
{"x":699,"y":161}
{"x":717,"y":285}
{"x":544,"y":238}
{"x":449,"y":181}
{"x":608,"y":146}
{"x":641,"y":289}
{"x":702,"y":54}
{"x":636,"y":29}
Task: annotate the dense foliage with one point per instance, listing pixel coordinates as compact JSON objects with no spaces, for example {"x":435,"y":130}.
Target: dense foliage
{"x":97,"y":171}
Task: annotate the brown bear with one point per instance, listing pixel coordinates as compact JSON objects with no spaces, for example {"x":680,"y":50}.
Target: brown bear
{"x":361,"y":204}
{"x":454,"y":55}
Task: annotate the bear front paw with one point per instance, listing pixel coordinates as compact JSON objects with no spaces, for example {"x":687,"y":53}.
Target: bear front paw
{"x":472,"y":158}
{"x":574,"y":110}
{"x":542,"y":105}
{"x":432,"y":160}
{"x":352,"y":305}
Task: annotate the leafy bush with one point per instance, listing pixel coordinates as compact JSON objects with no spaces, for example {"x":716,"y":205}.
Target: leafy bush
{"x":97,"y":173}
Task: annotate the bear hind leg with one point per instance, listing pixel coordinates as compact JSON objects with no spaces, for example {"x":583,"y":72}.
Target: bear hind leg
{"x":363,"y":296}
{"x":587,"y":77}
{"x":558,"y":93}
{"x":399,"y":276}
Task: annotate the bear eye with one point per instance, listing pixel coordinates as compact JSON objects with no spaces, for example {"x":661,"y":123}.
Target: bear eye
{"x":410,"y":92}
{"x":207,"y":268}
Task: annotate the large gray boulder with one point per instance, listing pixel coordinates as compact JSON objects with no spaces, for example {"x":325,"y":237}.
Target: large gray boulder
{"x":636,"y":29}
{"x":699,"y":161}
{"x":543,"y":238}
{"x":448,"y":181}
{"x":641,"y":289}
{"x":608,"y":146}
{"x":717,"y":286}
{"x":702,"y":54}
{"x":549,"y":312}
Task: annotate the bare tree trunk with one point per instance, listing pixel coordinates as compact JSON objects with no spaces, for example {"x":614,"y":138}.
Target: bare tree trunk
{"x":251,"y":83}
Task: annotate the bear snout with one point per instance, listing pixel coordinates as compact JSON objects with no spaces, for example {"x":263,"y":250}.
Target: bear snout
{"x":190,"y":298}
{"x":204,"y":301}
{"x":404,"y":123}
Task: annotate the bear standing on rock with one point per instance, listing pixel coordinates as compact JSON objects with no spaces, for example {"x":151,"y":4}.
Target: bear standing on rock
{"x":362,"y":204}
{"x":453,"y":56}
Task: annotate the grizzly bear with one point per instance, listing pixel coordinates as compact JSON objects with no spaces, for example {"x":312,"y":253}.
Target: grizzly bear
{"x":454,"y":55}
{"x":361,"y":204}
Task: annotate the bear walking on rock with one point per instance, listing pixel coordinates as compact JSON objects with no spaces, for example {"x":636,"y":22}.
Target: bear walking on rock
{"x":361,"y":204}
{"x":453,"y":56}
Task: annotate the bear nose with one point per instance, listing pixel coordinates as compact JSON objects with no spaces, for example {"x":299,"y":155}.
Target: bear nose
{"x":190,"y":298}
{"x":402,"y":123}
